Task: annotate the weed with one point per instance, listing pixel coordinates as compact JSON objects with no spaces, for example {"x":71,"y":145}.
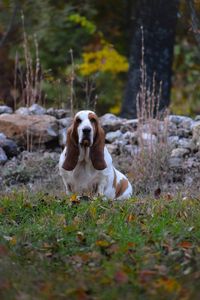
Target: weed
{"x":150,"y":164}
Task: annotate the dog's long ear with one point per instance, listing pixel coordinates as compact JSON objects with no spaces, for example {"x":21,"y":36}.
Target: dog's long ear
{"x":72,"y":153}
{"x":97,"y":149}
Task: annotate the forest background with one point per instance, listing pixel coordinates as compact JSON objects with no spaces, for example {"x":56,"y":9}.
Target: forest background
{"x":87,"y":44}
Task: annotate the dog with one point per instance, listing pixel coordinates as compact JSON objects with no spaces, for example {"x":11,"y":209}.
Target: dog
{"x":86,"y":165}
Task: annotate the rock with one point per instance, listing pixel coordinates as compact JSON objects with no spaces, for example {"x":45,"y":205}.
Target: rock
{"x":186,"y":143}
{"x":148,"y":139}
{"x":172,"y":129}
{"x":34,"y":130}
{"x":110,"y":122}
{"x":197,"y":118}
{"x":36,"y":109}
{"x":129,"y":125}
{"x":131,"y":137}
{"x":131,"y":150}
{"x":3,"y":157}
{"x":62,"y":136}
{"x":112,"y":136}
{"x":10,"y":147}
{"x":186,"y":121}
{"x":58,"y":113}
{"x":65,"y":122}
{"x":23,"y":111}
{"x":2,"y":137}
{"x":4,"y":109}
{"x":182,"y":132}
{"x":175,"y":162}
{"x":180,"y":152}
{"x":173,"y":141}
{"x":196,"y":133}
{"x":113,"y":149}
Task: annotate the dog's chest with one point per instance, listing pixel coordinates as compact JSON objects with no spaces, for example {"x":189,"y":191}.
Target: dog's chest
{"x":84,"y":174}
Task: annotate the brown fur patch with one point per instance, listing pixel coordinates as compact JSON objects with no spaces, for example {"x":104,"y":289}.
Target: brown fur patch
{"x":115,"y":179}
{"x":121,"y":187}
{"x":97,"y":149}
{"x":72,"y":154}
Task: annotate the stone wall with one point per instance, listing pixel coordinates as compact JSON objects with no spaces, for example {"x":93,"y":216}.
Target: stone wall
{"x":37,"y":128}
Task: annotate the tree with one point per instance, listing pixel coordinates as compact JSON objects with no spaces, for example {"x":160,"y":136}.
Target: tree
{"x":158,"y":19}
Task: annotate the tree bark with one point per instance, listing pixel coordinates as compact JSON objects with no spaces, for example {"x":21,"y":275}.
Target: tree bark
{"x":158,"y":19}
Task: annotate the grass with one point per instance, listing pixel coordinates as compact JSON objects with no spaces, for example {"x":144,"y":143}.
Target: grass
{"x":57,"y":248}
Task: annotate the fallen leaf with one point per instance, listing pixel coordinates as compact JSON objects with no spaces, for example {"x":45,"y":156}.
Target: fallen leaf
{"x":169,"y":284}
{"x":185,"y":244}
{"x":146,"y":275}
{"x":11,"y":239}
{"x":102,"y":243}
{"x":74,"y":199}
{"x":3,"y":250}
{"x":121,"y":277}
{"x":130,"y":218}
{"x":81,"y":237}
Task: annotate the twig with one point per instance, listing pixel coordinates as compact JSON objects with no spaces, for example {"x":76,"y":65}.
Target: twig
{"x":72,"y":78}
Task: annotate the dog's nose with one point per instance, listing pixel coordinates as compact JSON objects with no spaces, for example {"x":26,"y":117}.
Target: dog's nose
{"x":86,"y":130}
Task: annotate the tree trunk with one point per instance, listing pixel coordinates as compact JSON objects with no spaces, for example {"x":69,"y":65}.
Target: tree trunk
{"x":158,"y":19}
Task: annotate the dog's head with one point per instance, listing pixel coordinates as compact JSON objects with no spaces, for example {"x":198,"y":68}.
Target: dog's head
{"x":85,"y":132}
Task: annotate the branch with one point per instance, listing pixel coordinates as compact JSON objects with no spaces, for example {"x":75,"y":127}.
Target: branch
{"x":195,"y":21}
{"x":6,"y":34}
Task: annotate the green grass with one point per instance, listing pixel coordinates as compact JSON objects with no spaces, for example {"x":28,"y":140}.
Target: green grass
{"x":51,"y":248}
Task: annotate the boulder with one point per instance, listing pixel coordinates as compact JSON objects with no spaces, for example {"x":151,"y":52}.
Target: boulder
{"x":37,"y":109}
{"x":58,"y":113}
{"x":65,"y":122}
{"x":129,"y":125}
{"x":23,"y":111}
{"x":34,"y":130}
{"x":180,"y":152}
{"x":181,"y":120}
{"x":112,"y":136}
{"x":113,"y":149}
{"x":110,"y":122}
{"x":9,"y":146}
{"x":186,"y":143}
{"x":62,"y":137}
{"x":196,"y":133}
{"x":175,"y":162}
{"x":4,"y":109}
{"x":148,"y":139}
{"x":131,"y":137}
{"x":3,"y":156}
{"x":173,"y":141}
{"x":197,"y":118}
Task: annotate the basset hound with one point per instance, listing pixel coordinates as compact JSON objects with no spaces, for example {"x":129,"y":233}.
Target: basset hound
{"x":86,"y":165}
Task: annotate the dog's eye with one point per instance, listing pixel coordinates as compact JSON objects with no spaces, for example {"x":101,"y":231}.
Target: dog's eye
{"x":78,"y":120}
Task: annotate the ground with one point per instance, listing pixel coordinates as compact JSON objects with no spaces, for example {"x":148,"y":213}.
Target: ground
{"x":61,"y":248}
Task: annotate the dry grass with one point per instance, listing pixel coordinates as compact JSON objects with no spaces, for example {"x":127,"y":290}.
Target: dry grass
{"x":150,"y":164}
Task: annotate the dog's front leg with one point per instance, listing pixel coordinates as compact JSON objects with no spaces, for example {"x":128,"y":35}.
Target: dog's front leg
{"x":101,"y":187}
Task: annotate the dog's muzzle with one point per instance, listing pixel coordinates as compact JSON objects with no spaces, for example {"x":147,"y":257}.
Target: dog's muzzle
{"x":86,"y":139}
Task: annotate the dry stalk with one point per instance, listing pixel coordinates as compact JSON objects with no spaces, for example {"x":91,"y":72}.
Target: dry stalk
{"x":150,"y":167}
{"x":72,"y":78}
{"x":31,"y":85}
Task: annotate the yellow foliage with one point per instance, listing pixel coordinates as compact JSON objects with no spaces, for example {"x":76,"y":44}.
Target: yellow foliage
{"x":169,"y":285}
{"x":105,"y":60}
{"x":115,"y":109}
